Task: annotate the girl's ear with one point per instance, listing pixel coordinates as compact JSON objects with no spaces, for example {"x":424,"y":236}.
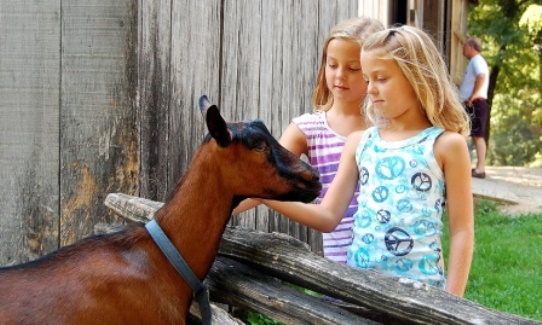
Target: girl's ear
{"x":216,"y":125}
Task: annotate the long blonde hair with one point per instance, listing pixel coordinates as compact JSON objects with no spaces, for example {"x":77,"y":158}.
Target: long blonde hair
{"x":354,"y":29}
{"x":423,"y":66}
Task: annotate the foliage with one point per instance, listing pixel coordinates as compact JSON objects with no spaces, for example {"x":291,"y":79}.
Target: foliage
{"x":532,"y":22}
{"x":511,"y":31}
{"x":506,"y":264}
{"x":259,"y":319}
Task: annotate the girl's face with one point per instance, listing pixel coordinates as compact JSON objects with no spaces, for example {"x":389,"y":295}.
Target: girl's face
{"x":343,"y":71}
{"x":388,"y":88}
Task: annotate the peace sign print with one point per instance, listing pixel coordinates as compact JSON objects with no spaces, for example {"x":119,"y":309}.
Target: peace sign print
{"x":438,"y":205}
{"x":429,"y":265}
{"x":404,"y":264}
{"x":435,"y":246}
{"x":398,"y":242}
{"x":364,"y":221}
{"x":364,"y":175}
{"x":380,"y":194}
{"x":361,"y":258}
{"x":425,"y":227}
{"x":390,"y":167}
{"x":383,"y":216}
{"x":400,"y":189}
{"x":404,"y":205}
{"x":421,"y":182}
{"x":368,"y":238}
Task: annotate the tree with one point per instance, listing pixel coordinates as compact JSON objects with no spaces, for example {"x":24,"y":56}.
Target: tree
{"x":511,"y":34}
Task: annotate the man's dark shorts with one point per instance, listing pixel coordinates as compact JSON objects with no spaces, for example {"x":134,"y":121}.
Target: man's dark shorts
{"x":478,"y":113}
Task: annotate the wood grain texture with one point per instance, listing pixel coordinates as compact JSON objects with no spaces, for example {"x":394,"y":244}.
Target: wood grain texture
{"x":239,"y":285}
{"x":99,"y":131}
{"x":154,"y":88}
{"x":29,"y":129}
{"x":269,"y":72}
{"x":99,"y":97}
{"x":195,"y":71}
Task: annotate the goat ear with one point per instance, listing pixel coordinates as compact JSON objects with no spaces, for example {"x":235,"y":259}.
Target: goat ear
{"x":215,"y":123}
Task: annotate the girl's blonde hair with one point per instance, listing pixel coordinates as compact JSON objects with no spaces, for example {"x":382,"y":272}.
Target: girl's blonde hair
{"x":354,"y":29}
{"x":423,"y":66}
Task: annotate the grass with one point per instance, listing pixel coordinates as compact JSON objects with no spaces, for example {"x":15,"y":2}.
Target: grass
{"x":506,"y":268}
{"x":506,"y":272}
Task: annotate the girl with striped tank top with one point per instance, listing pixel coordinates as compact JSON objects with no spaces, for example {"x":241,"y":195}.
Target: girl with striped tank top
{"x":338,"y":96}
{"x":410,"y":167}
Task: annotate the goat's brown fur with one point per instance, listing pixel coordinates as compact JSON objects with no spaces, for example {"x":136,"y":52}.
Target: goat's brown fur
{"x":124,"y":277}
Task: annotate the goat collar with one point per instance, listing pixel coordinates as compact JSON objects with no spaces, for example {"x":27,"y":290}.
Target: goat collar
{"x":201,"y":294}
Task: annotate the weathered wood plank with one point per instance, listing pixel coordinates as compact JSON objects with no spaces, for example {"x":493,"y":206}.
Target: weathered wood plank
{"x":29,"y":129}
{"x":131,"y":207}
{"x":398,"y":298}
{"x":154,"y":76}
{"x":195,"y":67}
{"x":99,"y":141}
{"x":236,"y":284}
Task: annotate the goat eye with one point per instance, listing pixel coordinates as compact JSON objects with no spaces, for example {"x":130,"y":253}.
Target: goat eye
{"x":261,"y":147}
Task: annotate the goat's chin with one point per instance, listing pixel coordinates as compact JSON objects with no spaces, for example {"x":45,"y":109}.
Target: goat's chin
{"x":299,"y":195}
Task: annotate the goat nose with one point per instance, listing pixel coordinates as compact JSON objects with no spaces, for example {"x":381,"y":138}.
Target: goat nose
{"x":311,"y":175}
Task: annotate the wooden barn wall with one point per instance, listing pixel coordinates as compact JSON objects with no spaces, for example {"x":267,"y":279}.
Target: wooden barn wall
{"x":255,"y":59}
{"x":101,"y":96}
{"x":69,"y":129}
{"x":29,"y":128}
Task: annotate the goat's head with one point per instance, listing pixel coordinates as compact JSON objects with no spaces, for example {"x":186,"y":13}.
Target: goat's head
{"x":254,"y":162}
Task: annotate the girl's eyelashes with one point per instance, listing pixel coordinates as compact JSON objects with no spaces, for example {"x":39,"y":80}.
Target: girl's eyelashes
{"x":376,"y":79}
{"x":335,"y":66}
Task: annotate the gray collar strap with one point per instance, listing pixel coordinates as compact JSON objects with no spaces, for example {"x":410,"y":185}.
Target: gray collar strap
{"x":201,"y":294}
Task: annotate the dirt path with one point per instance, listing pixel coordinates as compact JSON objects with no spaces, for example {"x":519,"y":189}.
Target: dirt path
{"x":520,"y":189}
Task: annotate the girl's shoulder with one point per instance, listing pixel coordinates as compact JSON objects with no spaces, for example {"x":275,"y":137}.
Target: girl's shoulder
{"x":314,"y":117}
{"x":449,"y":143}
{"x":356,"y":136}
{"x":449,"y":138}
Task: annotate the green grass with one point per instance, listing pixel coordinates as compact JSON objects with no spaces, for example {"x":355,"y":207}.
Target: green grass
{"x":506,"y":272}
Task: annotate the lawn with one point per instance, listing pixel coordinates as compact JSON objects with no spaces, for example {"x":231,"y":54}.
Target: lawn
{"x":506,"y":270}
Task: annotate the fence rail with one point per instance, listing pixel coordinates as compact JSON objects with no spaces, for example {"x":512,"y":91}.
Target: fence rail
{"x":253,"y":266}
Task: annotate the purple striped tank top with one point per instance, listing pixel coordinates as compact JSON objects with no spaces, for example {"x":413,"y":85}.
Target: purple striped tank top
{"x":324,"y":153}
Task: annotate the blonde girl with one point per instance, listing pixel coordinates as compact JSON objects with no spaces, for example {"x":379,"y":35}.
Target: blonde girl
{"x":410,"y":167}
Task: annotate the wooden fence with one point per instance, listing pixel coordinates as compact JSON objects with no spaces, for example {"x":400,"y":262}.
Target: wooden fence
{"x":99,"y":96}
{"x":255,"y":270}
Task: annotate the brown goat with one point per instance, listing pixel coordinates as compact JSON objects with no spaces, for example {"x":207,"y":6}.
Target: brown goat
{"x":124,"y":278}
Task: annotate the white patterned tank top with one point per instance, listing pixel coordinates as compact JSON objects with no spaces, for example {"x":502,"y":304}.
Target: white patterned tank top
{"x":398,"y":224}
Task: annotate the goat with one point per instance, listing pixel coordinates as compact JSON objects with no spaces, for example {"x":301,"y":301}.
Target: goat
{"x":124,"y":278}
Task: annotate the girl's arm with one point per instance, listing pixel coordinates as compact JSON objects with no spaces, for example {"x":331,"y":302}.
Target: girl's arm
{"x":452,"y":151}
{"x":326,"y":216}
{"x":292,"y":139}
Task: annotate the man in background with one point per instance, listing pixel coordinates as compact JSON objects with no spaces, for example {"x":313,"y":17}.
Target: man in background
{"x":473,"y":92}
